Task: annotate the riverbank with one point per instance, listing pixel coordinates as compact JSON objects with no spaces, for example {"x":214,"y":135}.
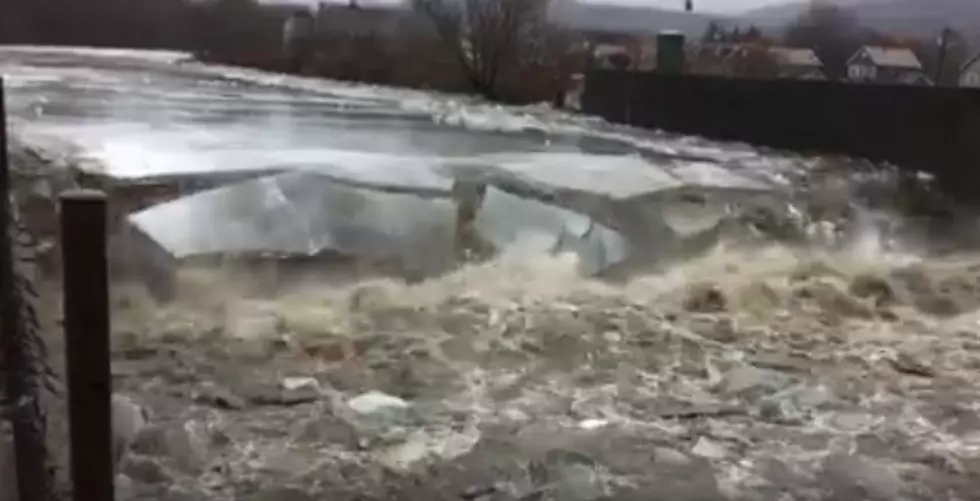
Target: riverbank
{"x":411,"y":64}
{"x":38,"y":177}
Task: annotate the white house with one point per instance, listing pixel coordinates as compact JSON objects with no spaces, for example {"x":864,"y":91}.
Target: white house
{"x":970,"y":73}
{"x":795,"y":62}
{"x":886,"y":65}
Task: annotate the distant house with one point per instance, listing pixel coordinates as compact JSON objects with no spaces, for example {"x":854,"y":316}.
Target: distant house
{"x":886,"y":65}
{"x":647,"y":54}
{"x":755,"y":60}
{"x":612,"y":57}
{"x":970,"y":73}
{"x":710,"y":58}
{"x":611,"y":50}
{"x":798,"y":63}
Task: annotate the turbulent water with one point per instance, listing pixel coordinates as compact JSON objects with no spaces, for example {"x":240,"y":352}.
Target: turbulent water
{"x":843,"y":368}
{"x":739,"y":375}
{"x":752,"y":372}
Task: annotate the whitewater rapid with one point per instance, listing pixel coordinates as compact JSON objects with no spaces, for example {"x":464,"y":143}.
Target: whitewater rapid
{"x":720,"y":367}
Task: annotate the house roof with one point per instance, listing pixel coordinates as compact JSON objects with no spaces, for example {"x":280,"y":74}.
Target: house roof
{"x":970,"y":62}
{"x":608,"y":49}
{"x":913,"y":79}
{"x":718,"y":50}
{"x":794,"y":56}
{"x":892,"y":57}
{"x":610,"y":37}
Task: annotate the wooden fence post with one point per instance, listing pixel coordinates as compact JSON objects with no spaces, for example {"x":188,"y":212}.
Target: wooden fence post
{"x":86,"y":303}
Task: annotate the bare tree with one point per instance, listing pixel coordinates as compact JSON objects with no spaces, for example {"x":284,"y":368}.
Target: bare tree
{"x":940,"y":62}
{"x":833,"y":32}
{"x":489,"y":38}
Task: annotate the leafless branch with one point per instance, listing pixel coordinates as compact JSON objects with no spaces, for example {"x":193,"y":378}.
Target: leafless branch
{"x":488,"y":37}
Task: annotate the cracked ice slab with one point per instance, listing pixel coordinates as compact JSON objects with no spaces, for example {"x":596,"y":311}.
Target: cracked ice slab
{"x":616,"y":177}
{"x":305,"y":213}
{"x":508,"y":221}
{"x":620,"y":203}
{"x":300,"y":214}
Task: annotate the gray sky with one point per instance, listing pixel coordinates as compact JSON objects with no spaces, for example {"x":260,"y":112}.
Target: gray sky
{"x":714,"y":6}
{"x":717,"y":6}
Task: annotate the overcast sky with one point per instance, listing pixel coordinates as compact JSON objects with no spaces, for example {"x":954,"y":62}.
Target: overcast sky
{"x":714,"y":6}
{"x":718,"y":6}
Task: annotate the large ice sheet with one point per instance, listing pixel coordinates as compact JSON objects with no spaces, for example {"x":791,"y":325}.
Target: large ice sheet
{"x":300,"y":213}
{"x":712,"y":176}
{"x":613,"y":177}
{"x":144,"y":115}
{"x":147,"y":114}
{"x":306,"y":213}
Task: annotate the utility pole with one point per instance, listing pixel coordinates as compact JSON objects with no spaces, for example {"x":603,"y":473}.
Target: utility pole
{"x":943,"y":43}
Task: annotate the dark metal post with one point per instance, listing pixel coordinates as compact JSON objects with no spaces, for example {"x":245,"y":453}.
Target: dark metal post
{"x":86,"y":297}
{"x":22,"y":394}
{"x":630,"y":96}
